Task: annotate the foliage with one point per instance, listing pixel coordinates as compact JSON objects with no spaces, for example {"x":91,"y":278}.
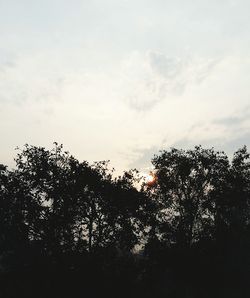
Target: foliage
{"x":67,"y":219}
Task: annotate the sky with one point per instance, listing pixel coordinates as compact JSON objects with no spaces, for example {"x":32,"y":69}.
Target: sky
{"x":121,"y":80}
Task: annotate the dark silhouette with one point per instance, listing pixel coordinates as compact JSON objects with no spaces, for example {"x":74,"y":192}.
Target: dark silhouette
{"x":72,"y":229}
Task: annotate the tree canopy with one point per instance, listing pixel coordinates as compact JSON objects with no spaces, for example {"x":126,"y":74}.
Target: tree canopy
{"x":70,"y":219}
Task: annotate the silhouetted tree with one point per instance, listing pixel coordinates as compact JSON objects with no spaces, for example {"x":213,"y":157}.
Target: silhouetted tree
{"x":185,"y":181}
{"x":64,"y":223}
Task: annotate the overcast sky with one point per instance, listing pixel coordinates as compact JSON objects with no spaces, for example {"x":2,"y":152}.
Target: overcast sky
{"x":122,"y":79}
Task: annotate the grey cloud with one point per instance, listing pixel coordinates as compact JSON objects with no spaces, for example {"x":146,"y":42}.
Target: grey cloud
{"x":237,"y":142}
{"x":165,"y":66}
{"x":236,"y":133}
{"x":7,"y":60}
{"x":139,"y":106}
{"x":183,"y":143}
{"x":145,"y":157}
{"x":234,"y":120}
{"x":229,"y":146}
{"x":161,"y":77}
{"x":204,"y":69}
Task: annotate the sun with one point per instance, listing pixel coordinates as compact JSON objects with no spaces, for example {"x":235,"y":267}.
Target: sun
{"x":150,"y":179}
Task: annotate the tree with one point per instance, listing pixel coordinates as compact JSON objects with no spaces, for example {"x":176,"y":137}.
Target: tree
{"x":185,"y":181}
{"x":77,"y":206}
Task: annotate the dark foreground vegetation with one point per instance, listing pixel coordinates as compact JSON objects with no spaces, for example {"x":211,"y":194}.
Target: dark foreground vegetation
{"x":70,"y":229}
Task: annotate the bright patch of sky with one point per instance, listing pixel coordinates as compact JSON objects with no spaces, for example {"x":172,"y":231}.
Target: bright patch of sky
{"x":123,"y":79}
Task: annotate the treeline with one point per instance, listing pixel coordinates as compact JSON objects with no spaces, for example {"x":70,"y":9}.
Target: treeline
{"x":73,"y":229}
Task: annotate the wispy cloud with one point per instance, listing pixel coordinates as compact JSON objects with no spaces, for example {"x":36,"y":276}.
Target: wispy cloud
{"x":225,"y":133}
{"x":154,"y":77}
{"x":144,"y":157}
{"x":7,"y":60}
{"x":235,"y":120}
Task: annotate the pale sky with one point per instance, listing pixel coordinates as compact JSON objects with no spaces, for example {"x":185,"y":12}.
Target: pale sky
{"x":123,"y":79}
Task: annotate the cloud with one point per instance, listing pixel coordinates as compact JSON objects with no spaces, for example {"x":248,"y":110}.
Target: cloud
{"x":144,"y":157}
{"x":27,"y":79}
{"x":229,"y":145}
{"x":154,"y":77}
{"x":226,"y":133}
{"x":168,"y":67}
{"x":7,"y":60}
{"x":141,"y":80}
{"x":235,"y":120}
